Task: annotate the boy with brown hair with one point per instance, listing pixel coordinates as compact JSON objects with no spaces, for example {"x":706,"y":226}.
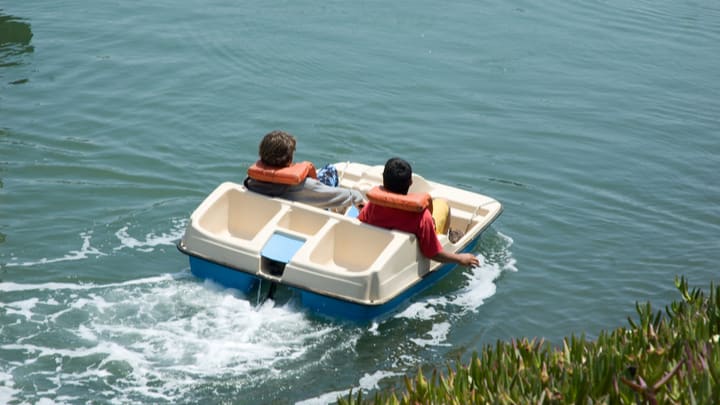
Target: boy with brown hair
{"x":276,"y":151}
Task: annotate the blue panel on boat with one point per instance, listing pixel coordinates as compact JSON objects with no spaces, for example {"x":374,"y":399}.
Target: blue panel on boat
{"x":352,"y":212}
{"x":282,"y":247}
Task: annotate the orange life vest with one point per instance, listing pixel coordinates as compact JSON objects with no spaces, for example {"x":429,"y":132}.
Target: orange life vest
{"x":291,"y":175}
{"x":414,"y":202}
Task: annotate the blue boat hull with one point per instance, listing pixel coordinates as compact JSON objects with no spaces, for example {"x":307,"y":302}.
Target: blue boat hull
{"x":223,"y":275}
{"x":322,"y":304}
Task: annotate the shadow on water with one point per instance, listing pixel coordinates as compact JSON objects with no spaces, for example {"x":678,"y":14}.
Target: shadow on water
{"x":15,"y":36}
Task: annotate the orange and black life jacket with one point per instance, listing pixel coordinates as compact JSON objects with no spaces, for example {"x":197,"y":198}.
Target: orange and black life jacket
{"x":291,"y":175}
{"x":414,"y":202}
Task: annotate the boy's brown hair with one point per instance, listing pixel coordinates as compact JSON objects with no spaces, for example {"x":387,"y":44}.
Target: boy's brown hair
{"x":277,"y":149}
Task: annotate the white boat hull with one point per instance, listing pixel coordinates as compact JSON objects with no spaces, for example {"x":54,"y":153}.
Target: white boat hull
{"x":340,"y":266}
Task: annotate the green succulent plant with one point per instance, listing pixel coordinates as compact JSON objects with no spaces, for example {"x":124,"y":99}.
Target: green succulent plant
{"x":670,"y":357}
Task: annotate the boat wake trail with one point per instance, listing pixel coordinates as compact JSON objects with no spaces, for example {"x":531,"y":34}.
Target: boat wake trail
{"x":151,"y":240}
{"x":156,"y":339}
{"x":479,"y":285}
{"x":169,"y":338}
{"x":436,"y":314}
{"x":85,"y":251}
{"x":124,"y":241}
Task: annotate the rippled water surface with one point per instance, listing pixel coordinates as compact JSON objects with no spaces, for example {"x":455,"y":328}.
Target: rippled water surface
{"x":595,"y":123}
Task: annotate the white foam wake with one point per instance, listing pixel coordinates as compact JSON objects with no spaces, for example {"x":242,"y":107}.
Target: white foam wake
{"x":151,"y":239}
{"x":11,"y":287}
{"x":126,"y":241}
{"x":367,"y":382}
{"x":151,"y":338}
{"x":479,"y":286}
{"x":85,"y":251}
{"x":7,"y":388}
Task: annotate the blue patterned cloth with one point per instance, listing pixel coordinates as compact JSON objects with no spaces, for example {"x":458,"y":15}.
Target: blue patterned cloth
{"x":328,"y":175}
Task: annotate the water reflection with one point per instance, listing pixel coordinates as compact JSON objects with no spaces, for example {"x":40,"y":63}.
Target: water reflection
{"x":15,"y":36}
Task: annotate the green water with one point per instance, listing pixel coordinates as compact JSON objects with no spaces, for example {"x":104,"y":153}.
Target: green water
{"x":596,"y":124}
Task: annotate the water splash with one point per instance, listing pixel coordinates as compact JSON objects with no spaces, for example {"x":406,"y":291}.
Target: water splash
{"x":148,"y":339}
{"x":159,"y":338}
{"x":11,"y":287}
{"x":7,"y":388}
{"x":367,"y":382}
{"x":480,"y":285}
{"x":85,"y":251}
{"x":440,"y":310}
{"x":151,"y":240}
{"x":438,"y":335}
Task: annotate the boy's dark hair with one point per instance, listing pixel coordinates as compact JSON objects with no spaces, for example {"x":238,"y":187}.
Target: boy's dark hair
{"x":397,"y":176}
{"x":277,"y":149}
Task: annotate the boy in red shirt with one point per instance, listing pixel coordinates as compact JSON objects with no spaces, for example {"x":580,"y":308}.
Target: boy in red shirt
{"x":397,"y":178}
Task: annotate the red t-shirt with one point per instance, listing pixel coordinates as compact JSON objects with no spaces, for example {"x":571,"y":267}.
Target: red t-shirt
{"x":419,"y":223}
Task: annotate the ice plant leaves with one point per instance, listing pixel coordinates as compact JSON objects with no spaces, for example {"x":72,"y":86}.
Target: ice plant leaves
{"x":663,"y":357}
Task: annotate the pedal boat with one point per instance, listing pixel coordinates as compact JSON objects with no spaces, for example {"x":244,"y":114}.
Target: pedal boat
{"x":340,"y":267}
